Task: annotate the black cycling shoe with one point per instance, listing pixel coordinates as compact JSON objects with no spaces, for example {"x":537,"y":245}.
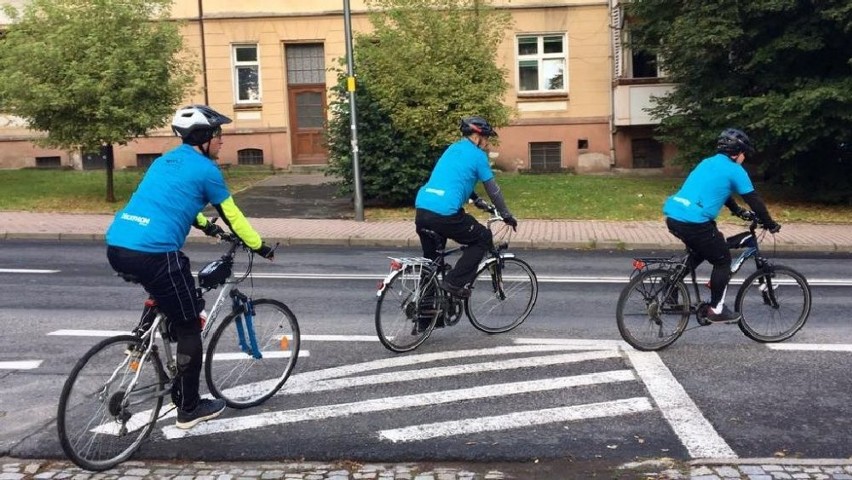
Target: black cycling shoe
{"x":727,"y":316}
{"x":455,"y":291}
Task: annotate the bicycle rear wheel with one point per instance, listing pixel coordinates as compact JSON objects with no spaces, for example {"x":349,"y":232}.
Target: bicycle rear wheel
{"x":775,"y":303}
{"x":101,"y":420}
{"x":502,"y":296}
{"x":407,"y":310}
{"x":243,"y":375}
{"x":651,"y":313}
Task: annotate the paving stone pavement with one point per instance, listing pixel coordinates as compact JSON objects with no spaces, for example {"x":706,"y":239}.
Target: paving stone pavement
{"x":663,"y":469}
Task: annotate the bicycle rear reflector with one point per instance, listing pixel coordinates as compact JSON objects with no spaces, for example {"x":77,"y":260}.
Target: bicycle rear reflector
{"x":396,"y":265}
{"x":638,"y":264}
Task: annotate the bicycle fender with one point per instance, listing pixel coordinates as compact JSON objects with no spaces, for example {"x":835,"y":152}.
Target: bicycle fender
{"x":491,"y":260}
{"x":384,"y":283}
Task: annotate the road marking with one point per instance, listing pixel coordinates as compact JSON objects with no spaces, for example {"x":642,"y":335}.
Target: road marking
{"x":620,"y":279}
{"x":26,"y":270}
{"x":518,"y":420}
{"x":262,"y":420}
{"x":695,"y":432}
{"x":317,"y":338}
{"x":811,"y":347}
{"x":300,"y":385}
{"x":20,"y":365}
{"x":575,"y":342}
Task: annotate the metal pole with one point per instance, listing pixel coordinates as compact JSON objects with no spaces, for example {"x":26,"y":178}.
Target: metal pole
{"x":353,"y":117}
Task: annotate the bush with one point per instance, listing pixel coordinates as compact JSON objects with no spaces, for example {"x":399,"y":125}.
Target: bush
{"x":393,"y":164}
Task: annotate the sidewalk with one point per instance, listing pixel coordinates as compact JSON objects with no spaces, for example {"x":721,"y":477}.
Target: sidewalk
{"x":662,"y":469}
{"x":538,"y":234}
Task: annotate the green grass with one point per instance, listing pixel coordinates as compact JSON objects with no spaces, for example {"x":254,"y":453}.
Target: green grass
{"x":551,"y":196}
{"x":621,"y":198}
{"x":71,"y":191}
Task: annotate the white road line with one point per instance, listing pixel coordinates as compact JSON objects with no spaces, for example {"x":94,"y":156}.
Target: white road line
{"x":518,"y":420}
{"x":299,"y":385}
{"x":695,"y":432}
{"x":576,"y":342}
{"x":20,"y":365}
{"x":393,"y":403}
{"x":242,"y":356}
{"x":26,"y":270}
{"x":811,"y":347}
{"x":619,"y":279}
{"x":316,"y":338}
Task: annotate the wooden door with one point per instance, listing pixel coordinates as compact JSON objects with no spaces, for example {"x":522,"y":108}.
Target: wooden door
{"x":307,"y":124}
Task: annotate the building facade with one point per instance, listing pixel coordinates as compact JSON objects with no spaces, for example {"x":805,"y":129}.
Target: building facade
{"x":578,"y":94}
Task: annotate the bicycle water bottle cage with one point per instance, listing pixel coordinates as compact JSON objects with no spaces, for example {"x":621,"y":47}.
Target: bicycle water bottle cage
{"x":214,"y":274}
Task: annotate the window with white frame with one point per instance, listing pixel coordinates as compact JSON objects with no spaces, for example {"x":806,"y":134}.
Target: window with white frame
{"x":542,"y":63}
{"x":246,"y":74}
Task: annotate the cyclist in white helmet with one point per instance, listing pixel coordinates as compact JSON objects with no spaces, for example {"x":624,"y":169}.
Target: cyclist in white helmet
{"x":146,"y":236}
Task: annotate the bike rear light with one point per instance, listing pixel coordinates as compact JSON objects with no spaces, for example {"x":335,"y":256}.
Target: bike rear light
{"x":396,"y":265}
{"x":380,"y":285}
{"x":638,"y":264}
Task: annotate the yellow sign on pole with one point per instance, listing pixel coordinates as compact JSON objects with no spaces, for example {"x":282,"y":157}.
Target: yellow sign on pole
{"x":350,"y":84}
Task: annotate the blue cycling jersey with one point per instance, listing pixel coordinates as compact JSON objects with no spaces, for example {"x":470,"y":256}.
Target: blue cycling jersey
{"x":454,"y":178}
{"x":706,"y":189}
{"x":161,"y":211}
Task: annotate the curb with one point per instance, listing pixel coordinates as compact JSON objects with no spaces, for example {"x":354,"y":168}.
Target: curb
{"x":816,"y":462}
{"x":359,"y":241}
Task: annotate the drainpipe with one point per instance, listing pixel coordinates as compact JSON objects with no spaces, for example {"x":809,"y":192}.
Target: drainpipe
{"x":614,"y":29}
{"x":203,"y":51}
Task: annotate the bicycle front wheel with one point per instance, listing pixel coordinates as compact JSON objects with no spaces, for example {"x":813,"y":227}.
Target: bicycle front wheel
{"x":503,"y":294}
{"x":252,"y":354}
{"x":775,"y":303}
{"x":652,"y":312}
{"x":104,"y":415}
{"x":407,"y":310}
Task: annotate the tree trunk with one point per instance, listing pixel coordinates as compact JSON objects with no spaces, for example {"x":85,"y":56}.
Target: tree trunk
{"x":109,"y":160}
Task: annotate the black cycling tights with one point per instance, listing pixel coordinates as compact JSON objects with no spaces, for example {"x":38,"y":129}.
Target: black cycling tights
{"x":168,"y":279}
{"x":708,"y":243}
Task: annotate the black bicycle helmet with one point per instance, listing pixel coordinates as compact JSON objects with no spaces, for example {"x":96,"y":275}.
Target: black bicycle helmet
{"x":198,"y":124}
{"x":733,"y":142}
{"x":471,"y":125}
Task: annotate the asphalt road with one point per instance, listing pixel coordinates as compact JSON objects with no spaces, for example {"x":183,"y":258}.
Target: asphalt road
{"x":562,"y":385}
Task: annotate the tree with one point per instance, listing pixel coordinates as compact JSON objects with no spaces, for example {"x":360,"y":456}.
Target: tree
{"x":424,"y":66}
{"x":779,"y":69}
{"x":92,"y":73}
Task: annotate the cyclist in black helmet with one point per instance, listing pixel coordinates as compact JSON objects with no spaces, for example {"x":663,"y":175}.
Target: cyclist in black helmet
{"x":146,"y":237}
{"x":691,"y":212}
{"x":439,"y":202}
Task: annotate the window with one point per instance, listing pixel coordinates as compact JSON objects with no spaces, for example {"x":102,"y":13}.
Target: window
{"x":647,"y":153}
{"x":144,"y":160}
{"x":305,"y":64}
{"x":246,"y":74}
{"x":545,"y":156}
{"x":541,"y":63}
{"x":93,"y":161}
{"x":250,"y":156}
{"x":48,"y":162}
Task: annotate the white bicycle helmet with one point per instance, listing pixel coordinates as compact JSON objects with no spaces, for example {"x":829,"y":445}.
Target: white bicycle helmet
{"x":198,"y":124}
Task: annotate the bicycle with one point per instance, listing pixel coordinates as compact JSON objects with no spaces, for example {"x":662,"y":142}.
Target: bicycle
{"x":113,"y":395}
{"x":410,"y":303}
{"x":654,"y":308}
